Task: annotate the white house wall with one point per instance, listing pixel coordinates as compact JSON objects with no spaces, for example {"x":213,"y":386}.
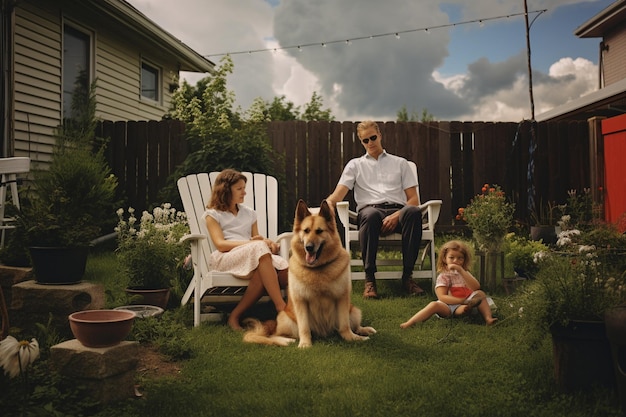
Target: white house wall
{"x":37,"y":75}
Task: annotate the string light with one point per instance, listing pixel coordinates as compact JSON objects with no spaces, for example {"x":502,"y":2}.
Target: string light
{"x":397,"y":34}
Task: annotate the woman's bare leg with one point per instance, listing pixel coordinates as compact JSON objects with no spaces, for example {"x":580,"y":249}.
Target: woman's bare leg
{"x":263,"y":280}
{"x":269,"y":278}
{"x":253,"y":292}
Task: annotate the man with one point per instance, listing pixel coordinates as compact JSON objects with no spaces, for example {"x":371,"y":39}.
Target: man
{"x":386,"y":196}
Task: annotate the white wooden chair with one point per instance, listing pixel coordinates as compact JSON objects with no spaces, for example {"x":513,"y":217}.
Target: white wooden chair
{"x":195,"y":191}
{"x":9,"y":168}
{"x":430,"y":215}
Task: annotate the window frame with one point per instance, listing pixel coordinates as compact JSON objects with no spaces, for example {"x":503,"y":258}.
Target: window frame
{"x":155,"y":70}
{"x":89,"y":37}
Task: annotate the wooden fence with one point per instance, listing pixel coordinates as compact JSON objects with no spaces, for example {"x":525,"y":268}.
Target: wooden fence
{"x":454,"y":159}
{"x":142,"y":155}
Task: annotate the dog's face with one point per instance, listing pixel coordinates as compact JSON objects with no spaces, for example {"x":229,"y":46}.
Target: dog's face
{"x":316,"y":234}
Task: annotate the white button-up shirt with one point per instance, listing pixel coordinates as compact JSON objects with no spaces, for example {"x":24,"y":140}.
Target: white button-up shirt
{"x":377,"y":181}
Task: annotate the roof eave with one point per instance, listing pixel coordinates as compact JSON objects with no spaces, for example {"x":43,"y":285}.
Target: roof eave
{"x":134,"y":20}
{"x":601,"y":23}
{"x":578,"y":105}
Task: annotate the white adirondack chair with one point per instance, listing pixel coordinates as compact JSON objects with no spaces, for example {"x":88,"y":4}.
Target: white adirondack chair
{"x":195,"y":191}
{"x":9,"y":168}
{"x":430,"y":214}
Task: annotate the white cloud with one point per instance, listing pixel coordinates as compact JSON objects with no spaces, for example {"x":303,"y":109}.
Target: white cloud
{"x":371,"y":78}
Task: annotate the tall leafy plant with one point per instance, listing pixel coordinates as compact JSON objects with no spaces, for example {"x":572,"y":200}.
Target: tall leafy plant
{"x":218,"y":134}
{"x":68,"y":201}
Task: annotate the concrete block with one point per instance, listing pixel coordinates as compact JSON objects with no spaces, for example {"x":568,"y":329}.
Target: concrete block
{"x":108,"y":374}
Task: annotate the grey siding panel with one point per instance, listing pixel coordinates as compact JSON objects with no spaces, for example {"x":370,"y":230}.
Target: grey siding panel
{"x":37,"y":96}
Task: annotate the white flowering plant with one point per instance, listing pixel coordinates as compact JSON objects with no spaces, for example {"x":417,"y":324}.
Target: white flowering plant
{"x":149,"y":248}
{"x":583,"y":277}
{"x":16,"y":356}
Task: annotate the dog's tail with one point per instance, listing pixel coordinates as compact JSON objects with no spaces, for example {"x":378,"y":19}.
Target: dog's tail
{"x":262,"y":333}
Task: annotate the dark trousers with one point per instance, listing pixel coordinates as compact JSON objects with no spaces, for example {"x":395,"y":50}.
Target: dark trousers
{"x":370,"y":221}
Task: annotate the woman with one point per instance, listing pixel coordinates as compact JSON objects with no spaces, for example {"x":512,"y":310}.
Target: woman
{"x":241,"y":251}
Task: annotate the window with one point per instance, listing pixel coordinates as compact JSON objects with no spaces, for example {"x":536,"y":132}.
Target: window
{"x":149,"y":82}
{"x":76,"y":68}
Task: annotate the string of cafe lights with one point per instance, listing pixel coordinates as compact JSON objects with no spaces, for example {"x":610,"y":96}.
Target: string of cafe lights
{"x":397,"y":34}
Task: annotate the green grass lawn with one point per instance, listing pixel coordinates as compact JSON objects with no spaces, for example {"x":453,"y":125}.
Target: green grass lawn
{"x":439,"y":368}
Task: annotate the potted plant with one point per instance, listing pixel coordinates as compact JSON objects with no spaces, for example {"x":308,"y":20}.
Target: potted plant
{"x":65,"y":208}
{"x":150,"y":253}
{"x":544,"y":222}
{"x":575,"y":285}
{"x":489,"y":216}
{"x":519,"y":260}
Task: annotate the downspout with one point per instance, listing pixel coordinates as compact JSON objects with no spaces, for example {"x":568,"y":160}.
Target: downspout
{"x":3,"y":84}
{"x":603,"y":47}
{"x":6,"y":39}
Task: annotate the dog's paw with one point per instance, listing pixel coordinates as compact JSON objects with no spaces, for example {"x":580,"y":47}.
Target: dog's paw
{"x":304,"y":344}
{"x":366,"y":331}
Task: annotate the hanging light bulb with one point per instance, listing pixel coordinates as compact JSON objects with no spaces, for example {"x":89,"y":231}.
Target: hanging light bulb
{"x":348,"y":42}
{"x":397,"y":35}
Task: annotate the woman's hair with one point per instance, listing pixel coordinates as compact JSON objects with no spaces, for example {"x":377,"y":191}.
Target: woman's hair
{"x":366,"y":124}
{"x":222,"y":196}
{"x":454,"y":245}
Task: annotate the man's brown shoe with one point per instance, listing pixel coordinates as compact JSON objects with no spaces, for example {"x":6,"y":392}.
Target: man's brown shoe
{"x":412,"y":288}
{"x":370,"y":290}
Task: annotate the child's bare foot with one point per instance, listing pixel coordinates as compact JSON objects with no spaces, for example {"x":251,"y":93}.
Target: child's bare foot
{"x":491,"y":321}
{"x":406,"y":325}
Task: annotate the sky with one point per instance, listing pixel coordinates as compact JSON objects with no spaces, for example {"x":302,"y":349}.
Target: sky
{"x":458,"y":60}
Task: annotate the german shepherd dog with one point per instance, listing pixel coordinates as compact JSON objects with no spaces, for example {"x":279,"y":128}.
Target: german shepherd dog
{"x":319,"y":288}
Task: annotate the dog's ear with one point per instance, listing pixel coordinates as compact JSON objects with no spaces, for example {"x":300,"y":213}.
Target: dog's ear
{"x":327,"y":212}
{"x":302,"y":210}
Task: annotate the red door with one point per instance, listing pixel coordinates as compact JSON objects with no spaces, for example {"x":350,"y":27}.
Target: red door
{"x":614,"y":132}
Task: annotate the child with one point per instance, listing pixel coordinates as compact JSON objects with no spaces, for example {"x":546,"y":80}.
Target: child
{"x":458,"y":292}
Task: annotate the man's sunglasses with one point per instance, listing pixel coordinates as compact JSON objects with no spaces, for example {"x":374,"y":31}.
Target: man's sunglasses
{"x":367,"y":140}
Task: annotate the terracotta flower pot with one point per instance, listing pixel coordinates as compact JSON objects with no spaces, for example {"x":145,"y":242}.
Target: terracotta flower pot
{"x":101,"y":328}
{"x":156,"y":297}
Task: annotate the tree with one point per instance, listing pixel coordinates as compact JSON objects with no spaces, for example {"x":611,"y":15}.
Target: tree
{"x":219,"y":135}
{"x":281,"y":109}
{"x":403,"y":116}
{"x":313,"y":109}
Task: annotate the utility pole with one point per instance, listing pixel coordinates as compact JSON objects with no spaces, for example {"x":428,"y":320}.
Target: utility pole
{"x":530,"y":68}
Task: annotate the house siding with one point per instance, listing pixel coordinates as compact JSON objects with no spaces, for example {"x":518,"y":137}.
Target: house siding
{"x":37,"y":69}
{"x":37,"y":82}
{"x":615,"y":57}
